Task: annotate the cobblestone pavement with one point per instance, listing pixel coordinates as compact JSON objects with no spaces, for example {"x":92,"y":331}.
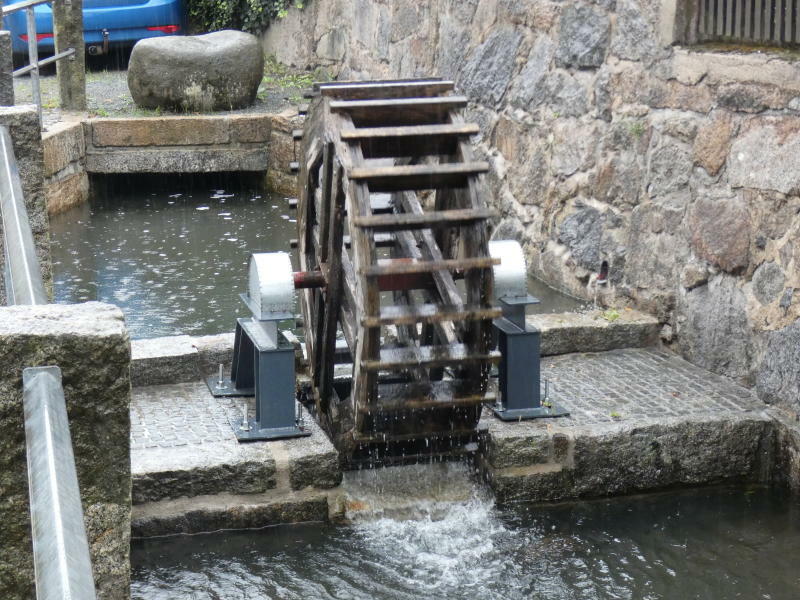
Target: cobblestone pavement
{"x":638,"y":384}
{"x":167,"y":416}
{"x":635,"y":384}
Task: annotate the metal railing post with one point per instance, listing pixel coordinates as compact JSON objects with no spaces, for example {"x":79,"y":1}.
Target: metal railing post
{"x":23,"y":283}
{"x":33,"y":59}
{"x":60,"y":548}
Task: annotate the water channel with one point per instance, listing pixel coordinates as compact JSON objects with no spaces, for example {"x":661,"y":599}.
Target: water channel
{"x":710,"y":544}
{"x":172,"y":253}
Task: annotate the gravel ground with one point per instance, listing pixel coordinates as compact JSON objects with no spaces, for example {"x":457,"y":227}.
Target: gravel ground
{"x":107,"y":95}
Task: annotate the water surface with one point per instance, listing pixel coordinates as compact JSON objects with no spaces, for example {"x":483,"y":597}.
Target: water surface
{"x":705,"y":544}
{"x":172,"y":252}
{"x":173,"y":255}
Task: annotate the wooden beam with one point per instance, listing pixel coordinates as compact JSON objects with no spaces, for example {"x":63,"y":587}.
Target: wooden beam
{"x":385,"y":89}
{"x":429,"y":220}
{"x":408,"y":267}
{"x":405,"y":111}
{"x":395,"y":359}
{"x":415,"y":140}
{"x":429,"y":313}
{"x":417,"y":177}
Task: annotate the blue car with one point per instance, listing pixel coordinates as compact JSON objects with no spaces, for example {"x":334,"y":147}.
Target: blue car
{"x":106,"y":23}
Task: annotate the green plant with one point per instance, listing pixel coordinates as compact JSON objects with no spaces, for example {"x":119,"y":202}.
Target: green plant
{"x":611,"y":315}
{"x":279,"y":75}
{"x":615,"y":415}
{"x":248,"y":15}
{"x":101,"y":112}
{"x":636,"y":129}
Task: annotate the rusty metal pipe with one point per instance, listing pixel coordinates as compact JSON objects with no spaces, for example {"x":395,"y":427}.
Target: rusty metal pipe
{"x":309,"y":279}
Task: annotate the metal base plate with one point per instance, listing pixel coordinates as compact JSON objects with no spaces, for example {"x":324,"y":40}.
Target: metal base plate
{"x":255,"y":434}
{"x":227,"y":389}
{"x":523,"y":414}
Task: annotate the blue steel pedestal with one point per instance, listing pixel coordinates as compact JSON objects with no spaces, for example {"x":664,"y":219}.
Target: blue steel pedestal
{"x":519,"y":371}
{"x":263,"y":366}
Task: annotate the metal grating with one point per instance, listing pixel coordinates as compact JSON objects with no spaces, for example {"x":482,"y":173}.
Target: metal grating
{"x":772,"y":22}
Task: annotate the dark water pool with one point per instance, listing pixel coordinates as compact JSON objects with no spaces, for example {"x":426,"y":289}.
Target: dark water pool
{"x":705,"y":544}
{"x":172,"y":253}
{"x":173,"y":256}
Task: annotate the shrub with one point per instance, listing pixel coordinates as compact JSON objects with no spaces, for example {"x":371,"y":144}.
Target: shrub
{"x":248,"y":15}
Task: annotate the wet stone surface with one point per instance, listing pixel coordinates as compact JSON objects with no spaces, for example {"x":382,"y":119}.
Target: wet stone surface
{"x":640,"y":419}
{"x":182,"y":445}
{"x":638,"y":384}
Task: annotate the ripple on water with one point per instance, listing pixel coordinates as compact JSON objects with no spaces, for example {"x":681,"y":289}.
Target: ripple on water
{"x":710,"y":544}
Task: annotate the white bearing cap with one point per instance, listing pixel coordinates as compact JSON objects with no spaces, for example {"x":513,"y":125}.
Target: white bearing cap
{"x":511,"y":275}
{"x":270,"y":284}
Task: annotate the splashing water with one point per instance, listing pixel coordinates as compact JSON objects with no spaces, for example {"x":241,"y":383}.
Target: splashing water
{"x":715,"y":544}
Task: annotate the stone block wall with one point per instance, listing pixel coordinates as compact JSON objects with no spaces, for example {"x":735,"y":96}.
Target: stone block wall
{"x":194,"y":144}
{"x":679,"y":166}
{"x":66,"y":183}
{"x":90,"y":344}
{"x":23,"y":125}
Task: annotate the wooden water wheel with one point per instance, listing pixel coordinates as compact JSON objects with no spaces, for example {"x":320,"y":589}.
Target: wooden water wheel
{"x":391,"y":218}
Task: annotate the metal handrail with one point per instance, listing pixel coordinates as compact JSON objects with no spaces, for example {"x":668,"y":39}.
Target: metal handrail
{"x":33,"y":49}
{"x":61,"y":559}
{"x":23,"y":279}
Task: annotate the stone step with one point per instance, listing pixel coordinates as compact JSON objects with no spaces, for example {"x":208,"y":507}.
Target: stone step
{"x":229,"y":511}
{"x":182,"y":445}
{"x":595,"y":331}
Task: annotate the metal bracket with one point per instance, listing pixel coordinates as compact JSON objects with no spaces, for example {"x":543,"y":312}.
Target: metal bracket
{"x":520,"y":372}
{"x":263,"y":366}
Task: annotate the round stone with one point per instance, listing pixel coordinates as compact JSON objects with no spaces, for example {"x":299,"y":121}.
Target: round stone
{"x":215,"y":71}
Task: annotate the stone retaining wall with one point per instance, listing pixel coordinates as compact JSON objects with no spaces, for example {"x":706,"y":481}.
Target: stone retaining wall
{"x":23,"y":125}
{"x":90,"y":344}
{"x":610,"y":142}
{"x":75,"y":149}
{"x":66,"y":183}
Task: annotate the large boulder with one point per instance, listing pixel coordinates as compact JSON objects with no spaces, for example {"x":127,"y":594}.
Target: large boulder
{"x":215,"y":71}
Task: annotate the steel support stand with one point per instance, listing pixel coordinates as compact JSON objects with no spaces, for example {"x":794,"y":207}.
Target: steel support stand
{"x":263,"y":366}
{"x":520,"y":370}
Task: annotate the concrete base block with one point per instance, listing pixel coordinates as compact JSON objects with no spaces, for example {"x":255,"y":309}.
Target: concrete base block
{"x":564,"y":333}
{"x":183,"y":446}
{"x":164,"y":360}
{"x":90,"y":344}
{"x":177,"y":160}
{"x":228,"y":511}
{"x":640,"y":419}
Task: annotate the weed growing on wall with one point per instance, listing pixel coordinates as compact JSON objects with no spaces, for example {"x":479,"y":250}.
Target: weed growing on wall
{"x":248,"y":15}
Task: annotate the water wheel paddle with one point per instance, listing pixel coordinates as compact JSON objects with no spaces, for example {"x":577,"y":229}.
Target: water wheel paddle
{"x":392,"y":219}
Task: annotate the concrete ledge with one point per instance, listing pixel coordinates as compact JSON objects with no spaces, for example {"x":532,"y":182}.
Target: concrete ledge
{"x":640,"y":419}
{"x":62,"y":144}
{"x":626,"y":458}
{"x":182,"y":444}
{"x":188,"y":471}
{"x":228,"y":511}
{"x":564,"y":333}
{"x":177,"y":160}
{"x":163,"y":360}
{"x":90,"y":344}
{"x":787,"y":427}
{"x":181,"y":130}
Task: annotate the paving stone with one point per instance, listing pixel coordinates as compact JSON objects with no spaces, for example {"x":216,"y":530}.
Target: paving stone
{"x":182,"y":444}
{"x":639,"y":419}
